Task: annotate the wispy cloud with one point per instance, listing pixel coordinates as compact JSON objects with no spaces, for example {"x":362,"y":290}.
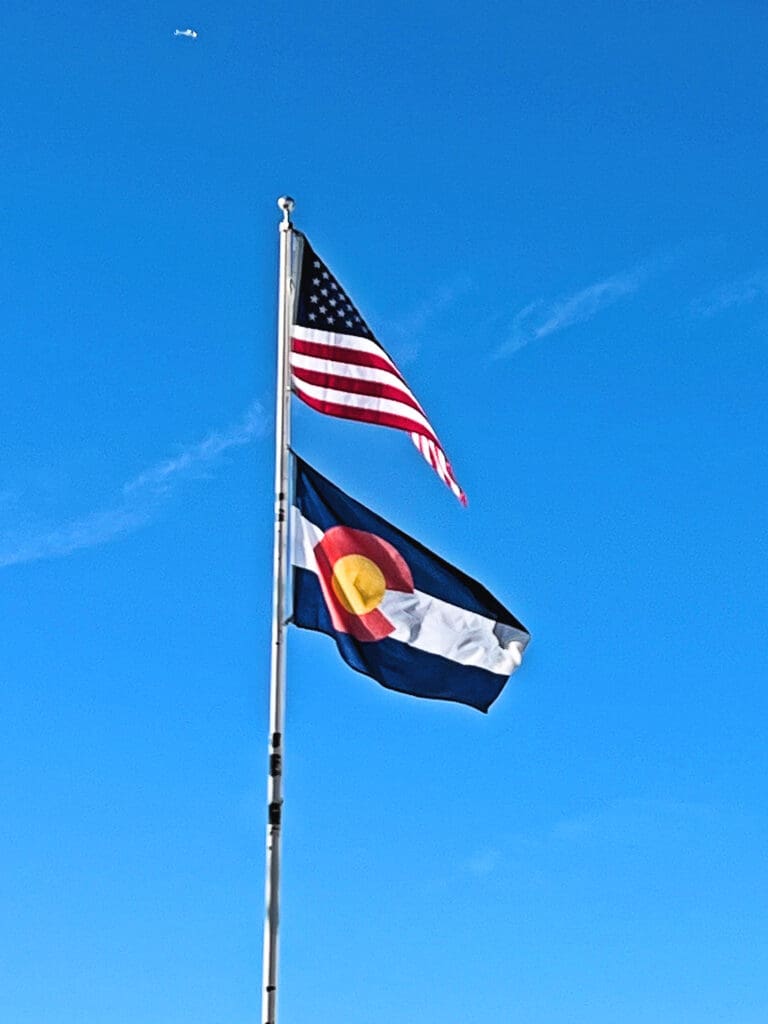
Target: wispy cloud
{"x":739,"y":292}
{"x":635,"y":821}
{"x":88,"y":532}
{"x":541,"y":319}
{"x":138,"y":502}
{"x":403,"y":336}
{"x":162,"y":476}
{"x":484,"y":862}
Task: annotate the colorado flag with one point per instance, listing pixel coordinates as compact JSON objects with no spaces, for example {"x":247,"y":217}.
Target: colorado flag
{"x":397,"y":612}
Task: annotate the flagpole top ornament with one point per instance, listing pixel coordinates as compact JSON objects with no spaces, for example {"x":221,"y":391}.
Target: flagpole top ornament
{"x":287,"y":205}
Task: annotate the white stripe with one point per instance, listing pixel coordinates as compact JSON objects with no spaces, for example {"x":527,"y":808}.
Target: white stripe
{"x":304,"y":538}
{"x":442,"y":464}
{"x":352,"y":341}
{"x":436,"y":458}
{"x":467,"y":638}
{"x":387,"y":405}
{"x":428,"y":623}
{"x":351,"y":370}
{"x":424,"y":446}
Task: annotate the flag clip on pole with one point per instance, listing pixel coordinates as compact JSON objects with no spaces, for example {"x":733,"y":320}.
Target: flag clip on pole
{"x":279,"y":589}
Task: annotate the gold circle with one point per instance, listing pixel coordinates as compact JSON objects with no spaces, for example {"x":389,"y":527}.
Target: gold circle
{"x":358,"y":583}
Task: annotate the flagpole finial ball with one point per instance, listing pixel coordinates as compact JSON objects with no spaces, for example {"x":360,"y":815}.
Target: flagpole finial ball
{"x":287,"y":205}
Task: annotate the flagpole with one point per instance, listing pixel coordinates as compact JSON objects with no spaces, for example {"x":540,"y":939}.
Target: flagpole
{"x":279,"y":588}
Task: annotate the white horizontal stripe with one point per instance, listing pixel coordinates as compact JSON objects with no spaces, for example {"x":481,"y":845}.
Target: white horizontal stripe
{"x":387,"y":405}
{"x":351,"y":370}
{"x":428,"y":623}
{"x":319,"y":337}
{"x":437,"y":627}
{"x":304,"y":537}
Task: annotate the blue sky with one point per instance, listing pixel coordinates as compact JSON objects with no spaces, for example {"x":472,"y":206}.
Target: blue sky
{"x":554,"y":218}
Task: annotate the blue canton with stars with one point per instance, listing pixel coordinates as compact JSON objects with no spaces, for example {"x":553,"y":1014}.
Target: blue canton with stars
{"x":323,"y":303}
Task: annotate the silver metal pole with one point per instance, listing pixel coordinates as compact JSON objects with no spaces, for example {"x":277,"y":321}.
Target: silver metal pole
{"x":280,"y":579}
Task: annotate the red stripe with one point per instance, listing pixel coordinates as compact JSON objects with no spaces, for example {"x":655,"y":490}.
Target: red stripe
{"x":354,"y":412}
{"x":344,"y":355}
{"x":356,"y":386}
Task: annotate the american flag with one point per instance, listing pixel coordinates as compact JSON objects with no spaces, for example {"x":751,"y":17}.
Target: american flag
{"x":339,"y":368}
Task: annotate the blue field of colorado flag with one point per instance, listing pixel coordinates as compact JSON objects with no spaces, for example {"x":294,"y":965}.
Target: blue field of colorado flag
{"x":397,"y":612}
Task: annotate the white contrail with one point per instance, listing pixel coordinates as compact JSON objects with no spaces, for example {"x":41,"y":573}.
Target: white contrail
{"x":740,"y":292}
{"x":572,"y":309}
{"x":139,"y":502}
{"x":158,"y":477}
{"x":188,"y":32}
